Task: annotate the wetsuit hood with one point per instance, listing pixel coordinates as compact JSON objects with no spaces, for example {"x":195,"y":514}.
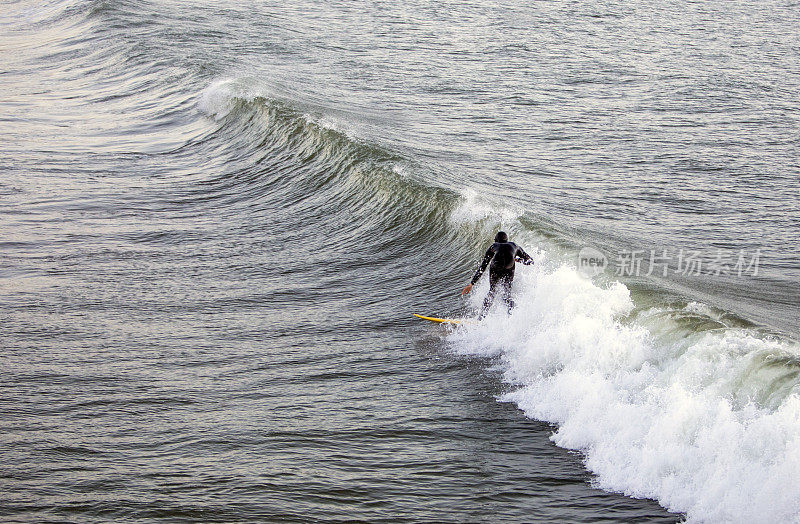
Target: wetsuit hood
{"x":501,"y":237}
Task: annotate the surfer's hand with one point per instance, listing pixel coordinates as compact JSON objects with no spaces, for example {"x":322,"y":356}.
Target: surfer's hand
{"x":466,"y":290}
{"x":527,"y":262}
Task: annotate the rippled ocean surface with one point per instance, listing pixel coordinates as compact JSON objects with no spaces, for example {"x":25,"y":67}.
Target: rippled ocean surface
{"x":218,"y":218}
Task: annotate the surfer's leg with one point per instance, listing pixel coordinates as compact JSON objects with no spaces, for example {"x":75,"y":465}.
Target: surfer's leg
{"x":508,"y":278}
{"x":507,"y":297}
{"x":487,"y":302}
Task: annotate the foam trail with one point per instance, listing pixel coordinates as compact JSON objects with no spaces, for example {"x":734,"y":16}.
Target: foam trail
{"x":707,"y":423}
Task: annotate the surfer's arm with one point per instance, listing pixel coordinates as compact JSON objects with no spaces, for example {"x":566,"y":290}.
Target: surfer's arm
{"x":526,"y":258}
{"x":486,"y":259}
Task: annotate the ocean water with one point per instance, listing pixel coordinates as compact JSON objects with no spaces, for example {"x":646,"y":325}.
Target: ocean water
{"x":218,"y":218}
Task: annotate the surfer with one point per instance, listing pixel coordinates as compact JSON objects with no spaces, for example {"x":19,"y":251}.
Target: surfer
{"x":502,"y":255}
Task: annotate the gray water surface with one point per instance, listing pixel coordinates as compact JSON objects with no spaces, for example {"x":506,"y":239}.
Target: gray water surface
{"x":217,"y":220}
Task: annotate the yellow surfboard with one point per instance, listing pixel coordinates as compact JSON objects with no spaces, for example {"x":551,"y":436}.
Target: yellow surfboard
{"x":440,"y":320}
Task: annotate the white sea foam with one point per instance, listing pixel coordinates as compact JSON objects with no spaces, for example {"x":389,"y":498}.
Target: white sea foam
{"x":218,"y":99}
{"x":707,"y":423}
{"x":474,"y":208}
{"x":325,"y":121}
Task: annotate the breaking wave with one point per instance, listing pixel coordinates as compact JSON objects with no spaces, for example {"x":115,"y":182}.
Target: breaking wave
{"x":667,"y":403}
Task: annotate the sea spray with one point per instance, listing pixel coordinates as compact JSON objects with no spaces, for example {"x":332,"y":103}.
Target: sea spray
{"x":700,"y":421}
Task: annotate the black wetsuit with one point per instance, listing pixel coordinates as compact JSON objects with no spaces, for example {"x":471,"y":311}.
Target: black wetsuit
{"x":502,"y":256}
